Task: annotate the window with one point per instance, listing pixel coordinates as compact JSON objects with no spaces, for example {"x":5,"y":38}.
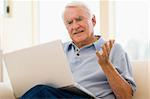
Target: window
{"x":5,"y":7}
{"x":1,"y":7}
{"x":131,"y":19}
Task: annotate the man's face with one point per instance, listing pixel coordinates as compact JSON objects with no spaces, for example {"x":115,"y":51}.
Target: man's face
{"x":79,"y":24}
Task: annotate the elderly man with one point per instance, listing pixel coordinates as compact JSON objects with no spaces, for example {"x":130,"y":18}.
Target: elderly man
{"x":101,"y":67}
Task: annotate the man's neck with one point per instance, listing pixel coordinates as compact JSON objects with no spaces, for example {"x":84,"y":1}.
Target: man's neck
{"x":87,"y":42}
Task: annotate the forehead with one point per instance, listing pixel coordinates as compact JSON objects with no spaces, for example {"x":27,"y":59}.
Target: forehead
{"x":71,"y":12}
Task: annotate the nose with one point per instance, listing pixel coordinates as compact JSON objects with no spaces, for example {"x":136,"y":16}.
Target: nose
{"x":75,"y":25}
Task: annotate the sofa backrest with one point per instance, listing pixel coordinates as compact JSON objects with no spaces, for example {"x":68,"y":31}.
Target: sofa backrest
{"x":141,"y":76}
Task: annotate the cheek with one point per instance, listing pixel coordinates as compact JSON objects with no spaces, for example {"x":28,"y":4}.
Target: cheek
{"x":68,"y":29}
{"x":90,"y":27}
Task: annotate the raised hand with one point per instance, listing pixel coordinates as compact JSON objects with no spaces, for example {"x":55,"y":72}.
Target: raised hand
{"x":103,"y":56}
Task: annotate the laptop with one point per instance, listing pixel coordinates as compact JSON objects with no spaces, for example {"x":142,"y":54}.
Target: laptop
{"x":42,"y":64}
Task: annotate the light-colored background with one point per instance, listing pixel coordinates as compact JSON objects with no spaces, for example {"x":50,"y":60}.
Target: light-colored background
{"x":31,"y":22}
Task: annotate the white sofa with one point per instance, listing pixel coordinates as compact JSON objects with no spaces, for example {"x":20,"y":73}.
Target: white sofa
{"x":141,"y":74}
{"x":6,"y":92}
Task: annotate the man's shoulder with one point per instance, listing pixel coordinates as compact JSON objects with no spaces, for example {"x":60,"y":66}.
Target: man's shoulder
{"x":117,"y":51}
{"x":117,"y":47}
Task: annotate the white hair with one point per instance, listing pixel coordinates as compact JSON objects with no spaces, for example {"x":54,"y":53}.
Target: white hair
{"x":78,"y":4}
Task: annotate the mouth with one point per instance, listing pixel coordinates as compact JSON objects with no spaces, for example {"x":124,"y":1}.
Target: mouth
{"x":77,"y":32}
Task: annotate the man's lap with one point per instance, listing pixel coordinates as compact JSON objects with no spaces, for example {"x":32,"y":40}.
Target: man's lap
{"x":47,"y":92}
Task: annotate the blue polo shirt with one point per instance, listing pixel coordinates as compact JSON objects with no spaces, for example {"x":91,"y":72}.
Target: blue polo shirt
{"x":88,"y":73}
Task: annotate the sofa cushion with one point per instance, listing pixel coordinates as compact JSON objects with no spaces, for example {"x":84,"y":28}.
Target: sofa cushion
{"x":6,"y":92}
{"x":140,"y":73}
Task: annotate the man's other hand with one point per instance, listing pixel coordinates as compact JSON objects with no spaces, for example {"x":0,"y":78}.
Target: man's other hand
{"x":103,"y":56}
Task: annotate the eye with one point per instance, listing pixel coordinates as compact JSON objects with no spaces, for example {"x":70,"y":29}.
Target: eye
{"x":79,"y":18}
{"x":69,"y":21}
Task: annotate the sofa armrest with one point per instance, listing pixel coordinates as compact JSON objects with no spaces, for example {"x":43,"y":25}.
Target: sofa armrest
{"x":5,"y":92}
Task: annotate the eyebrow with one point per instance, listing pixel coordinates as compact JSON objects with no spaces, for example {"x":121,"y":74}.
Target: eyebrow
{"x":79,"y":17}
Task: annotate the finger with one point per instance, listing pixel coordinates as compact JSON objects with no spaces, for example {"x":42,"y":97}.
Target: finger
{"x":108,"y":47}
{"x":111,"y":43}
{"x":105,"y":54}
{"x":100,"y":57}
{"x":98,"y":54}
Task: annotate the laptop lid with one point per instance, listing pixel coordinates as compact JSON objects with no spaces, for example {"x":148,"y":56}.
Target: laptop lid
{"x":42,"y":64}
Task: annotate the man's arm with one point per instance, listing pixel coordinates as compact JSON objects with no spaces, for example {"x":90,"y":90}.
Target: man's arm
{"x":119,"y":85}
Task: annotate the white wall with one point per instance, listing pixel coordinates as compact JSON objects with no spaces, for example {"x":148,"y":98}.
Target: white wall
{"x":17,"y":29}
{"x":131,"y":27}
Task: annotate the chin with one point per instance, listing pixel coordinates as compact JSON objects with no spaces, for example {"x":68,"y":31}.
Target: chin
{"x":78,"y":40}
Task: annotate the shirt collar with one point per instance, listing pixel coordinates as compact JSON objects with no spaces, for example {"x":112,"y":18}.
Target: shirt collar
{"x":97,"y":44}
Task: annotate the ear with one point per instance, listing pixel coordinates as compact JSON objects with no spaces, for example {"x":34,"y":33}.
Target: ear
{"x":93,"y":20}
